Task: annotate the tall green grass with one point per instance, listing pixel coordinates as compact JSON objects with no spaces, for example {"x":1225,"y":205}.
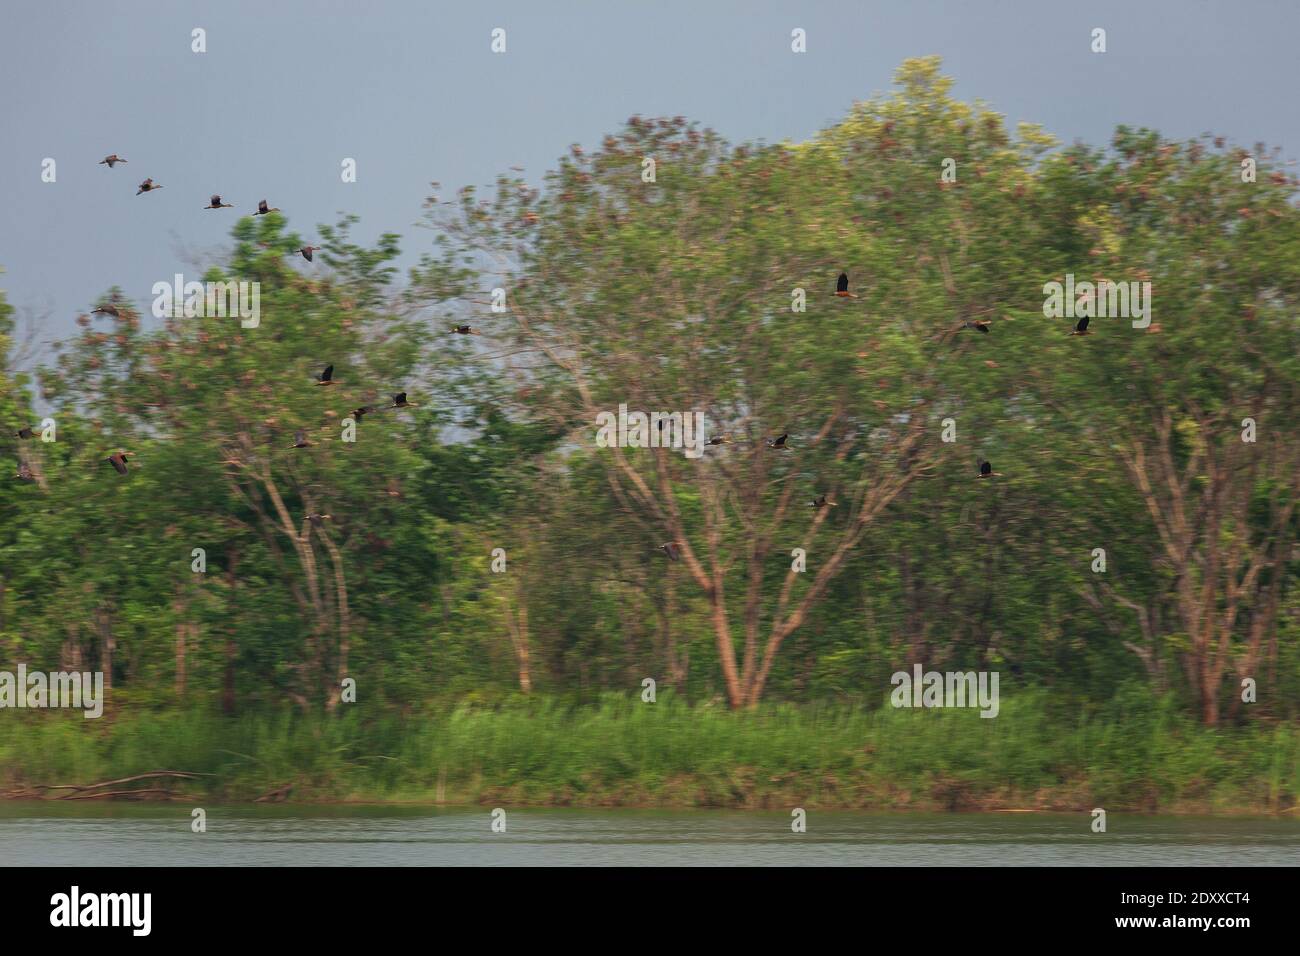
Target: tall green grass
{"x":1135,"y":754}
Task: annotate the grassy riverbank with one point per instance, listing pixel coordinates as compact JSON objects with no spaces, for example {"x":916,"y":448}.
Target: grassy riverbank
{"x":1135,"y":754}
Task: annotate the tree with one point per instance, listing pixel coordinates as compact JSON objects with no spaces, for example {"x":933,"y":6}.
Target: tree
{"x":1201,"y":426}
{"x":677,"y":296}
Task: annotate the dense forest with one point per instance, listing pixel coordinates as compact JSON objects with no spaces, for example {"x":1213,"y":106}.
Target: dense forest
{"x":1134,"y":551}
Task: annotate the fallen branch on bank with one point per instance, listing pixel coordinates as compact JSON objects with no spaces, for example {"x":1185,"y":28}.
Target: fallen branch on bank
{"x":92,"y":791}
{"x":118,"y":793}
{"x":276,"y":795}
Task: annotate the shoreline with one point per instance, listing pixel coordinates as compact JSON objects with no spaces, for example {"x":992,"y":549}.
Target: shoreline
{"x":298,"y":806}
{"x":1035,"y":758}
{"x":760,"y":802}
{"x":372,"y":803}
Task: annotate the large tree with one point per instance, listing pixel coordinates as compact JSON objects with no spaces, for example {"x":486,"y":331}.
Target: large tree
{"x":709,"y":287}
{"x":1198,"y":407}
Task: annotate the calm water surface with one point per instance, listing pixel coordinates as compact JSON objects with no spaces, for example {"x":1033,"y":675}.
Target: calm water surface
{"x":50,"y":834}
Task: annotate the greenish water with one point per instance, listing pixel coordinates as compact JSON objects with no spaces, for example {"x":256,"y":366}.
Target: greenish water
{"x":53,"y":834}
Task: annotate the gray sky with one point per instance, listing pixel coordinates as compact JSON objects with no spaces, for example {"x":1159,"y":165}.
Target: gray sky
{"x":411,"y":90}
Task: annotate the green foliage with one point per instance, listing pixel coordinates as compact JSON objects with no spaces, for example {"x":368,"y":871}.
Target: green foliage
{"x":677,"y":295}
{"x":1136,"y":754}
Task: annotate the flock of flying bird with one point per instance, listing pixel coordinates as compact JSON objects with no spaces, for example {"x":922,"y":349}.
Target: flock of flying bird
{"x":779,"y":443}
{"x":119,"y":459}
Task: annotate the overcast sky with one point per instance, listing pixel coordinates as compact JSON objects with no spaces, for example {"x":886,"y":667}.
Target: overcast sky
{"x":412,"y":91}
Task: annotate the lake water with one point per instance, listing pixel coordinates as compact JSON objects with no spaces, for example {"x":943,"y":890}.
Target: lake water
{"x":159,"y":835}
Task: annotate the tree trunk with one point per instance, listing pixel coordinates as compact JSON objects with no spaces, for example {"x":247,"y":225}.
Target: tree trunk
{"x":726,"y":651}
{"x":179,"y":608}
{"x":517,"y":627}
{"x":107,"y":645}
{"x":230,"y":650}
{"x":181,"y":628}
{"x":525,"y":677}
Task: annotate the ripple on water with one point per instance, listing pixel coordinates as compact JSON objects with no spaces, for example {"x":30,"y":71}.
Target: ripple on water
{"x":37,"y":834}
